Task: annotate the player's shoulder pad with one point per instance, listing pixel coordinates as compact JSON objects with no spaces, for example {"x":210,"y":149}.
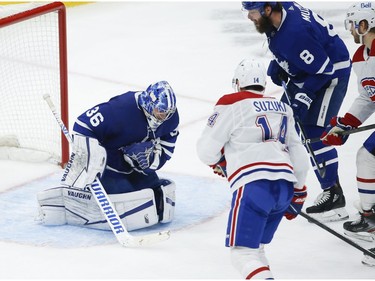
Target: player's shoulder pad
{"x":236,"y":97}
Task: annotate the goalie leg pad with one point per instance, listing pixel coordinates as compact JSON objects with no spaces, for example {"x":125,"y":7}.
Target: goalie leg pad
{"x":51,"y":207}
{"x":136,"y":209}
{"x":168,"y":193}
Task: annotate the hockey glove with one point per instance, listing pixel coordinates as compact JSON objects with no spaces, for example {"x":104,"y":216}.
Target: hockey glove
{"x":220,"y":168}
{"x":337,"y":125}
{"x":139,"y":155}
{"x":301,"y":105}
{"x":276,"y":73}
{"x":87,"y":161}
{"x":296,"y":204}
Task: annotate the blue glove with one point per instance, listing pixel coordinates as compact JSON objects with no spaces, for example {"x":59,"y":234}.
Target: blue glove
{"x":296,"y":204}
{"x":301,"y":105}
{"x":139,"y":155}
{"x":276,"y":73}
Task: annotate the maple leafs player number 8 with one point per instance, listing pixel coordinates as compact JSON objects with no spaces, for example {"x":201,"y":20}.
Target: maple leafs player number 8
{"x":306,"y":56}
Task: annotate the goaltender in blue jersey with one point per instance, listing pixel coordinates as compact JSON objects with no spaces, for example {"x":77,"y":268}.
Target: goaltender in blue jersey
{"x":125,"y":125}
{"x":314,"y":62}
{"x":123,"y":142}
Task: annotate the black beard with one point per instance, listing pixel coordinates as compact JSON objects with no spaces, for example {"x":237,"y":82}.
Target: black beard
{"x":264,"y":25}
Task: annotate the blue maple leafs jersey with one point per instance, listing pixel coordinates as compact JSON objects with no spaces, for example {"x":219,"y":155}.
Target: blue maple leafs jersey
{"x":121,"y":122}
{"x":308,"y":48}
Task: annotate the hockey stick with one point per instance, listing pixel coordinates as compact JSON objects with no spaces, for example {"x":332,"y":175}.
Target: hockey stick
{"x":338,"y":235}
{"x":106,"y":206}
{"x":321,"y":170}
{"x":343,"y":133}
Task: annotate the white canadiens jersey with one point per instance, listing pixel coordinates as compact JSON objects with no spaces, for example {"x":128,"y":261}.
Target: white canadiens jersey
{"x":257,"y":135}
{"x":364,"y":68}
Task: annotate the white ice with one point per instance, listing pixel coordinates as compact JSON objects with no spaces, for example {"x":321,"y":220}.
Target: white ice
{"x":114,"y":47}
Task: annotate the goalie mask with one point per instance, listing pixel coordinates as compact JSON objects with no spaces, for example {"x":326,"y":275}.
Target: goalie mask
{"x":357,"y":13}
{"x":250,"y":72}
{"x":158,"y":103}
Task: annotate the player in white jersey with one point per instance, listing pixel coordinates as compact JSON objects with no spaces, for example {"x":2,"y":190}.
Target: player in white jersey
{"x":360,"y":20}
{"x":251,"y":139}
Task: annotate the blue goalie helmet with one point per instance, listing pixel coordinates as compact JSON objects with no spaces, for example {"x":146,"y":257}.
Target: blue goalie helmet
{"x":247,"y":6}
{"x":158,"y":102}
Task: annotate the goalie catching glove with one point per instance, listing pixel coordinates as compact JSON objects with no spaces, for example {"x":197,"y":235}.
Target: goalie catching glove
{"x":143,"y":156}
{"x":296,"y":204}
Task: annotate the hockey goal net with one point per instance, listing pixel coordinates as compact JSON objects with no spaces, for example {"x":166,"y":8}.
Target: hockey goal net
{"x":33,"y":63}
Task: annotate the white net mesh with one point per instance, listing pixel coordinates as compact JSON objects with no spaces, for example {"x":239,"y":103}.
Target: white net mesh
{"x":29,"y":68}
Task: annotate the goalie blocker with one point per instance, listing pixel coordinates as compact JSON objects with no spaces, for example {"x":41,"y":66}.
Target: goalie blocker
{"x":139,"y":209}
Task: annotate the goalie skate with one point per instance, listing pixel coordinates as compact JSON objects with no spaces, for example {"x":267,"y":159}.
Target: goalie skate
{"x":367,"y":260}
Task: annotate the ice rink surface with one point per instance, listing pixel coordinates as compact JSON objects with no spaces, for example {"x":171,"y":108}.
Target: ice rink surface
{"x":114,"y":47}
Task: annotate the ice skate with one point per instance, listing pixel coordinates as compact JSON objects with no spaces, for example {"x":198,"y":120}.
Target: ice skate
{"x":363,"y":228}
{"x":367,"y":260}
{"x":329,"y":205}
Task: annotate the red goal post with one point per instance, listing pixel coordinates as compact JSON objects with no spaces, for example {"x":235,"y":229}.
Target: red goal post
{"x":33,"y":55}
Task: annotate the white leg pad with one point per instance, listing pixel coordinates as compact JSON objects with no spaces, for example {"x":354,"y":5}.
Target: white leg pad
{"x":51,"y":207}
{"x":78,"y":207}
{"x":82,"y":209}
{"x":169,"y":201}
{"x":137,"y":209}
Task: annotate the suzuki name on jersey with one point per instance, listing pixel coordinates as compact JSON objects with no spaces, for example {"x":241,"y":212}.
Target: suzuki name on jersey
{"x":276,"y":106}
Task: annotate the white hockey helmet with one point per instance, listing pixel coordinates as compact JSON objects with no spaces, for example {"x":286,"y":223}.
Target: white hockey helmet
{"x":358,"y":12}
{"x":249,"y":72}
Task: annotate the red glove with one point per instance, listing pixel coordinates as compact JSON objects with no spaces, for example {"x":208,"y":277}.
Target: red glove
{"x":220,"y":168}
{"x":337,"y":125}
{"x":296,"y":204}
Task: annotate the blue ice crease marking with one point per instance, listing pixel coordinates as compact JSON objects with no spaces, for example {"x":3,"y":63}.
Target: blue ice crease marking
{"x":198,"y":199}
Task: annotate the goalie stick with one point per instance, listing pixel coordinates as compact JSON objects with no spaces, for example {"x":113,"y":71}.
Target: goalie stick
{"x":105,"y":204}
{"x":321,"y":169}
{"x":343,"y":133}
